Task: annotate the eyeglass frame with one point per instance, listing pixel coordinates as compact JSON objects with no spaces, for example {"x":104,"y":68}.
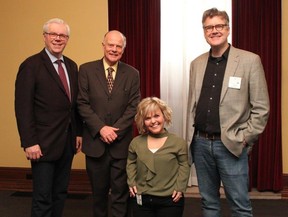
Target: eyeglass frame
{"x":217,"y":27}
{"x":54,"y":35}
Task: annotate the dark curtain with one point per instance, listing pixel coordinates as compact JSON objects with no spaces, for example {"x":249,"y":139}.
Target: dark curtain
{"x":256,"y":26}
{"x":139,"y":21}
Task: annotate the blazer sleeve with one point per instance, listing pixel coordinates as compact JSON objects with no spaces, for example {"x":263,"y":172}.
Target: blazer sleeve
{"x":24,"y":99}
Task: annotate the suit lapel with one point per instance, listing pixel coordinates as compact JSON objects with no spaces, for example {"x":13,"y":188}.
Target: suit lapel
{"x":100,"y":74}
{"x":119,"y":77}
{"x":199,"y":76}
{"x":51,"y":70}
{"x":232,"y":64}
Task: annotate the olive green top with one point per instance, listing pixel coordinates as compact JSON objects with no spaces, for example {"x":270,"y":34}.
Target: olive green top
{"x":158,"y":173}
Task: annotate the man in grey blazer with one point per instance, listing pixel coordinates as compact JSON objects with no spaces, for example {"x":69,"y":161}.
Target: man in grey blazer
{"x":108,"y":123}
{"x":228,"y":107}
{"x":47,"y":118}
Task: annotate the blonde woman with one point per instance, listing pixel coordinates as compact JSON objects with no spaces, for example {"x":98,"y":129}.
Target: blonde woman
{"x":157,"y":164}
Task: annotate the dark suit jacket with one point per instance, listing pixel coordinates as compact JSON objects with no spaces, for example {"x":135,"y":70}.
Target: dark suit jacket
{"x":43,"y":110}
{"x":99,"y":108}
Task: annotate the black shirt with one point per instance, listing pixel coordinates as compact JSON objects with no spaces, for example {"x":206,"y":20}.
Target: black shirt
{"x":207,"y":111}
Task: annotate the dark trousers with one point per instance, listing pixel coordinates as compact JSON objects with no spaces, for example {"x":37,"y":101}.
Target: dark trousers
{"x":154,"y":206}
{"x":50,"y":184}
{"x":108,"y":174}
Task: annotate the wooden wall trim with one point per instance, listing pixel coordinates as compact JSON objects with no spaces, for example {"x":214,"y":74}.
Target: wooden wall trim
{"x":20,"y":179}
{"x":284,"y":192}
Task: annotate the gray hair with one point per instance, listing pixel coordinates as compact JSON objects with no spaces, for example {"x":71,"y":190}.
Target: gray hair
{"x":56,"y":20}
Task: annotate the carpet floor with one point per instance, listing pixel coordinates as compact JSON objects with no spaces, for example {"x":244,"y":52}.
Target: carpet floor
{"x":17,"y":204}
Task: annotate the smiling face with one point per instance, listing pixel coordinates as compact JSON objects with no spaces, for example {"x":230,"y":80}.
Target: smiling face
{"x":113,"y":47}
{"x":216,"y":37}
{"x":56,"y":45}
{"x":155,"y":121}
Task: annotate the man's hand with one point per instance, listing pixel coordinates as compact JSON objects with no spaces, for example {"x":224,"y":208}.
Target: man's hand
{"x":33,"y":153}
{"x":78,"y":144}
{"x":108,"y":134}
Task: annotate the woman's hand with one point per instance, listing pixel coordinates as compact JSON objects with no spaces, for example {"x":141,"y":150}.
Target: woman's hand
{"x":176,"y":195}
{"x":133,"y":191}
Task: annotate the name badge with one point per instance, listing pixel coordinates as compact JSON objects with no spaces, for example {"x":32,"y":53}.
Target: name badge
{"x":234,"y":82}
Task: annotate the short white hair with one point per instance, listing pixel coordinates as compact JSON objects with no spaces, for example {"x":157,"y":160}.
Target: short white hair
{"x":56,"y":20}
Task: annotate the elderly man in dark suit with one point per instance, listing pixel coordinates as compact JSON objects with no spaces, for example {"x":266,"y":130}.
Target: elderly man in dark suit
{"x":108,"y":105}
{"x":48,"y":122}
{"x":228,"y":107}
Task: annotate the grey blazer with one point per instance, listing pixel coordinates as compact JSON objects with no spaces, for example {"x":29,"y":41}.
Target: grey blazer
{"x":244,"y":110}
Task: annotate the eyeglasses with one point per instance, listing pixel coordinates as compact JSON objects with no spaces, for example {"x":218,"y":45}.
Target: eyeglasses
{"x":54,"y":35}
{"x":218,"y":27}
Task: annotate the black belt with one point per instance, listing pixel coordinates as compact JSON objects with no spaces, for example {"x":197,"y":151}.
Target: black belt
{"x":210,"y":136}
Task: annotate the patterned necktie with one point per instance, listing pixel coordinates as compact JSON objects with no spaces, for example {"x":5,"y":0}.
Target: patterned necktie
{"x":63,"y":78}
{"x":110,"y":80}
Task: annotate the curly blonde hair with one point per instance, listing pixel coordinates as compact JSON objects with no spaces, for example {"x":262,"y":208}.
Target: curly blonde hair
{"x":151,"y":104}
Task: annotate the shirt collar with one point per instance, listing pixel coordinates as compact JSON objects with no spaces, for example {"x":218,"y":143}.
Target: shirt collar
{"x":224,"y":55}
{"x":106,"y":65}
{"x":53,"y":58}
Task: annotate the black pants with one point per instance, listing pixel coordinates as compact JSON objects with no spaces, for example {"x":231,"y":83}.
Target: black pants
{"x":50,"y":184}
{"x":154,"y":206}
{"x":108,"y":174}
